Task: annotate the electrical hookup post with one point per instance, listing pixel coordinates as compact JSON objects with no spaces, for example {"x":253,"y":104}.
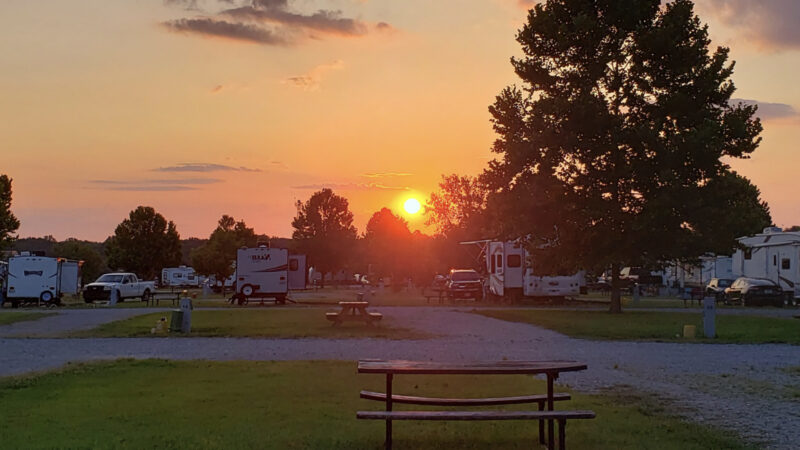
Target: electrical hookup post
{"x":186,"y":309}
{"x":710,"y":317}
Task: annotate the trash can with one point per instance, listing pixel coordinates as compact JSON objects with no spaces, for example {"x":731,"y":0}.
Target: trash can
{"x":176,"y":321}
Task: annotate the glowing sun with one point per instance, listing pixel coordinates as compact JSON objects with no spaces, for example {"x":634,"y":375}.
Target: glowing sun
{"x":412,"y":206}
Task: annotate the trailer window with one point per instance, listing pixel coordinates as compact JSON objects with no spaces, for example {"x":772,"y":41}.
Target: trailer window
{"x":293,"y":265}
{"x":494,"y":265}
{"x":785,"y":264}
{"x":774,"y":260}
{"x":500,"y":262}
{"x":513,"y":261}
{"x":748,"y":254}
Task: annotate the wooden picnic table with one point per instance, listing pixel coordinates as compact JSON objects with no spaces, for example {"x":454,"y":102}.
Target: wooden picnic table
{"x":551,"y":369}
{"x":354,"y":312}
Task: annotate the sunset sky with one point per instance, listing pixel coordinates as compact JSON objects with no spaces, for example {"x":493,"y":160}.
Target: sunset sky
{"x":210,"y":107}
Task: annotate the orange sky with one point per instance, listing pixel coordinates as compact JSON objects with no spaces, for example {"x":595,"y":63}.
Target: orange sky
{"x":107,"y":105}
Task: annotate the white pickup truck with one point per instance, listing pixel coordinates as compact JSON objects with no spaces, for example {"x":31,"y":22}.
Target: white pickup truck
{"x":127,"y":285}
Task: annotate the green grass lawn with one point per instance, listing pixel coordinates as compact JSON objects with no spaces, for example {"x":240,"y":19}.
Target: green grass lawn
{"x":658,"y":326}
{"x":298,"y":405}
{"x":272,"y":322}
{"x":7,"y":318}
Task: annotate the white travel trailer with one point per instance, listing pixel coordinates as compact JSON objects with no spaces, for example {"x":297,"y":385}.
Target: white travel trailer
{"x":39,"y":278}
{"x":773,"y":254}
{"x":698,"y":275}
{"x":264,"y":272}
{"x":179,"y":277}
{"x":511,"y":274}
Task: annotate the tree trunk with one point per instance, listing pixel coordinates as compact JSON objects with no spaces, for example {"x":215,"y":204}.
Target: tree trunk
{"x":616,"y":296}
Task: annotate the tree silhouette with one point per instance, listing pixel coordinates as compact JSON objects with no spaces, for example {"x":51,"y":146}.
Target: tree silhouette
{"x":8,"y":222}
{"x":610,"y":152}
{"x":144,"y":243}
{"x":324,"y":231}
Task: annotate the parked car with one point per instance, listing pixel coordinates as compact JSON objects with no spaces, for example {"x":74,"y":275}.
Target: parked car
{"x":464,"y":283}
{"x":127,"y":285}
{"x":754,"y":292}
{"x":716,"y":287}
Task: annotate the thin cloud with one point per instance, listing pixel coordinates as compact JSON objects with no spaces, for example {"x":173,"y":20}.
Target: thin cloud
{"x":311,"y":80}
{"x":269,"y":22}
{"x":204,"y":167}
{"x":229,"y":30}
{"x":767,"y":111}
{"x":159,"y":181}
{"x":771,"y":25}
{"x":527,"y":4}
{"x":352,"y":187}
{"x":386,"y":174}
{"x":153,"y":184}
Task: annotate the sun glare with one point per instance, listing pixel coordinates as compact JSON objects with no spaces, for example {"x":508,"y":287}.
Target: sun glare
{"x":412,"y":206}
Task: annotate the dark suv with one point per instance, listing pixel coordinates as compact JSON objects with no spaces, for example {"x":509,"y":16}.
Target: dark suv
{"x":464,"y":283}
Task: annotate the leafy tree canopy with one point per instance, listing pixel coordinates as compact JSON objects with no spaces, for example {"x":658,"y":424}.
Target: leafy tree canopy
{"x":217,"y":255}
{"x":8,"y":222}
{"x":324,"y":231}
{"x":613,"y":146}
{"x":389,"y":245}
{"x":144,"y":243}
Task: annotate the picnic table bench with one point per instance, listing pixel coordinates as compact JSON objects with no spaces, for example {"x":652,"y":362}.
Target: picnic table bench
{"x":354,"y":312}
{"x":544,"y":413}
{"x":156,"y":297}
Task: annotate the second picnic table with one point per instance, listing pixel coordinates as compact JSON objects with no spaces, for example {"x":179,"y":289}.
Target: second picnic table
{"x":353,"y":311}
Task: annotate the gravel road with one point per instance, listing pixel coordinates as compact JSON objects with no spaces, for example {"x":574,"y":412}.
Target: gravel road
{"x":741,"y":388}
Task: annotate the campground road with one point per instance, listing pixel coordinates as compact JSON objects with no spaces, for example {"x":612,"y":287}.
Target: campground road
{"x":742,"y":388}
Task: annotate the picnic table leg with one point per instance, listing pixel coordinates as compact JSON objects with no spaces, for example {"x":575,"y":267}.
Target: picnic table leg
{"x":541,"y":425}
{"x":550,"y":424}
{"x":562,"y":434}
{"x":389,"y":408}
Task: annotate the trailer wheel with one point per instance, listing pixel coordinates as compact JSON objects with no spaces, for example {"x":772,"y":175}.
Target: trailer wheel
{"x":46,"y":297}
{"x":247,"y":290}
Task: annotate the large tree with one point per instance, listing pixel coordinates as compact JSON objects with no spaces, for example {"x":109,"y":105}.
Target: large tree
{"x":217,"y":255}
{"x":8,"y":222}
{"x":389,"y":245}
{"x":618,"y":134}
{"x":324,"y":231}
{"x":457,"y":208}
{"x":144,"y":243}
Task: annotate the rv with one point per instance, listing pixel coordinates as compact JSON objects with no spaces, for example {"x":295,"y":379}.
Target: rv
{"x":41,"y":279}
{"x":698,"y":275}
{"x":511,"y":274}
{"x":179,"y":277}
{"x":773,"y":254}
{"x":264,"y":272}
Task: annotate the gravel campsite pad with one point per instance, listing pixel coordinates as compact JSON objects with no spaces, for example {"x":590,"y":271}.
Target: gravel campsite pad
{"x":718,"y":384}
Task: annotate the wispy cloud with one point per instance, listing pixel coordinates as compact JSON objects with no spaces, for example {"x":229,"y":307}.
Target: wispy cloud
{"x":386,"y":174}
{"x":772,"y":25}
{"x":152,"y":184}
{"x":352,"y":187}
{"x":269,"y":22}
{"x":767,"y":111}
{"x":311,"y":80}
{"x":228,"y":30}
{"x":204,"y":167}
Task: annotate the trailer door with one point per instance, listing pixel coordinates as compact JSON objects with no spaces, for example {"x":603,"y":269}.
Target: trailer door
{"x":496,"y":277}
{"x":297,"y":272}
{"x":514,"y":265}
